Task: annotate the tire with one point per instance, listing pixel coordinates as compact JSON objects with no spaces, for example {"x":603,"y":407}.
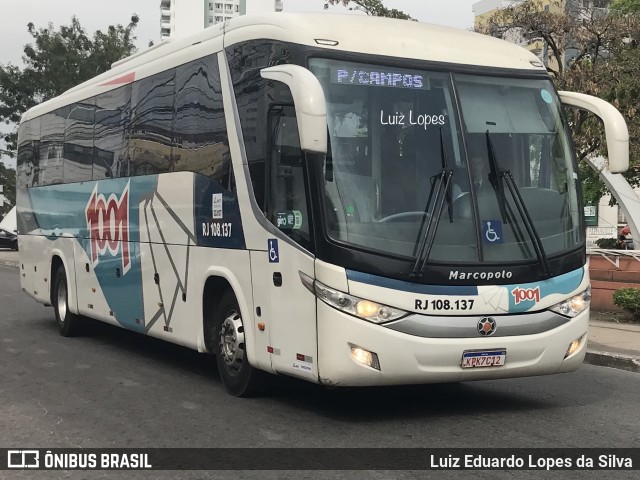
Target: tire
{"x":68,"y":323}
{"x":228,"y":344}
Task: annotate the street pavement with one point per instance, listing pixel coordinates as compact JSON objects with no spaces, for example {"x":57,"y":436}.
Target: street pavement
{"x":611,"y":344}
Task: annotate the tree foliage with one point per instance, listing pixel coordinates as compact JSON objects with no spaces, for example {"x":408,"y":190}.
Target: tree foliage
{"x":586,"y":50}
{"x":56,"y":61}
{"x":629,"y":300}
{"x":626,"y":7}
{"x":8,"y":182}
{"x":374,"y":8}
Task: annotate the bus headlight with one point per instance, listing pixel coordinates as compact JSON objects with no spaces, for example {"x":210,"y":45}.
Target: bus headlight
{"x":358,"y":307}
{"x":574,"y":305}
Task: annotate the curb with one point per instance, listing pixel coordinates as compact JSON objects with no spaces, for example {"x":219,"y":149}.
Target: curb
{"x":613,"y":360}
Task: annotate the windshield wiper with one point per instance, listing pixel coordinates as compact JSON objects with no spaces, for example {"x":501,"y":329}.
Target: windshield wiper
{"x":445,"y":167}
{"x":505,"y":210}
{"x":498,"y":178}
{"x":442,"y":180}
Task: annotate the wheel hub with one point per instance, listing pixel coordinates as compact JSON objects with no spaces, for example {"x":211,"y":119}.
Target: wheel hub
{"x":62,"y":301}
{"x":232,"y":341}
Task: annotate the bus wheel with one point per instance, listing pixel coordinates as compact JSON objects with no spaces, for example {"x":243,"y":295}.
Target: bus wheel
{"x":240,"y":378}
{"x":68,"y":323}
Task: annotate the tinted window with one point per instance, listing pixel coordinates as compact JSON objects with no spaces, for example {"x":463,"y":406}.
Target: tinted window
{"x":287,"y":199}
{"x":254,"y":96}
{"x":52,"y":147}
{"x":113,"y":110}
{"x":152,"y":124}
{"x":28,"y":153}
{"x":78,"y":142}
{"x":200,"y":132}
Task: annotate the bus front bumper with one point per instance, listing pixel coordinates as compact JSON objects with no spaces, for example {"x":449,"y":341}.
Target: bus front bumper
{"x":409,"y":359}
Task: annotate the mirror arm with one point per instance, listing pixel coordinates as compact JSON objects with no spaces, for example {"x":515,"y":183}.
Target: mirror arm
{"x":309,"y":100}
{"x":615,"y":127}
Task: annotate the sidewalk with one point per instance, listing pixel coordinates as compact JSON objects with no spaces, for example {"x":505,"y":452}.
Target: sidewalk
{"x":611,"y":344}
{"x":615,"y":345}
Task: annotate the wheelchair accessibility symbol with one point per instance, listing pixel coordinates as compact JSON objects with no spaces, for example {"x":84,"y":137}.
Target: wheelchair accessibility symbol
{"x":492,"y":231}
{"x":272,"y":250}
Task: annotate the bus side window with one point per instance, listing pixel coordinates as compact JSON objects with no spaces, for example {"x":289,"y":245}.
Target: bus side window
{"x":200,"y":133}
{"x":28,"y":154}
{"x":287,"y":198}
{"x":245,"y":62}
{"x":78,"y":142}
{"x":150,"y":144}
{"x":110,"y":145}
{"x":52,"y":147}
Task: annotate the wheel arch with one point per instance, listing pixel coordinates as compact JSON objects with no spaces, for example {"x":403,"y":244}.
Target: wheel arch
{"x":216,"y":283}
{"x":58,"y":260}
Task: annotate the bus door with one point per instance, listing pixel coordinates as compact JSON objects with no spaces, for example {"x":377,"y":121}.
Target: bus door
{"x":291,"y":316}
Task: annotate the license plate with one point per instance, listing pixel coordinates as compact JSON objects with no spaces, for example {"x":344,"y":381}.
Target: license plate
{"x":483,"y":358}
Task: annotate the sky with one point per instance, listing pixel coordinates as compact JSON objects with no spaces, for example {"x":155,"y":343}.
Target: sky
{"x":99,"y":14}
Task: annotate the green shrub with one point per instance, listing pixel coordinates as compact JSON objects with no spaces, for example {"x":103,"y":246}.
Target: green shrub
{"x":628,"y":299}
{"x":609,"y":243}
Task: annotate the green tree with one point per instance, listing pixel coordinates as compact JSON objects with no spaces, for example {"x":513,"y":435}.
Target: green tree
{"x":625,"y":6}
{"x":56,"y":61}
{"x":374,"y":8}
{"x":8,"y":182}
{"x":585,"y":51}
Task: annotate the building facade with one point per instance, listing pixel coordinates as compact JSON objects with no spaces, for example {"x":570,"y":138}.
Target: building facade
{"x":484,"y":9}
{"x":179,"y":18}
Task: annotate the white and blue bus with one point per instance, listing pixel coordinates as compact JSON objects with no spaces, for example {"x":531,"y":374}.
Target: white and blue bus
{"x":343,"y":199}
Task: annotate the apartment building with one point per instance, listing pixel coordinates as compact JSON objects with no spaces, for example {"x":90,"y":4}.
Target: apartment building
{"x":180,"y":18}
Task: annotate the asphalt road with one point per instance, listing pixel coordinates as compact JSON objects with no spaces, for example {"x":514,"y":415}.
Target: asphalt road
{"x":113,"y":388}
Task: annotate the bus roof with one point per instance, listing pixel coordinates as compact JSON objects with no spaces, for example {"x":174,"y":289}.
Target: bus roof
{"x":388,"y":37}
{"x":353,"y":33}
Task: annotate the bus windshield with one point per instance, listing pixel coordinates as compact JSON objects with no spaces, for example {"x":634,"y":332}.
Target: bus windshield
{"x":513,"y":189}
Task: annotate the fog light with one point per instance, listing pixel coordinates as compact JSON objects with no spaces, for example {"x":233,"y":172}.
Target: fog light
{"x":360,"y":355}
{"x":573,"y":348}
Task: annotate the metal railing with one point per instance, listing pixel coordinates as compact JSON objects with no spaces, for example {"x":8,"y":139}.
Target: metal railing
{"x":614,"y":256}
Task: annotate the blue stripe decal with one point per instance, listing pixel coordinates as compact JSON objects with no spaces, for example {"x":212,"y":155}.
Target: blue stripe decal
{"x":409,"y":286}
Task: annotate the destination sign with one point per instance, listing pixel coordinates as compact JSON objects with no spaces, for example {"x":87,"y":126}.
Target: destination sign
{"x":377,"y":78}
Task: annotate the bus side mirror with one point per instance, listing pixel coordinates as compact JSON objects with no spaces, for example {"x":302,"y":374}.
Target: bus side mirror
{"x":615,"y":127}
{"x":308,"y":97}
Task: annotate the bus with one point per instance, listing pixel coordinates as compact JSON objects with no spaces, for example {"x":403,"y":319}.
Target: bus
{"x":348,"y":200}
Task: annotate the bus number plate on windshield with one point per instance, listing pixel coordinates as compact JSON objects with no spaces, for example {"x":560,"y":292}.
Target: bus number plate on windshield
{"x":483,"y":358}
